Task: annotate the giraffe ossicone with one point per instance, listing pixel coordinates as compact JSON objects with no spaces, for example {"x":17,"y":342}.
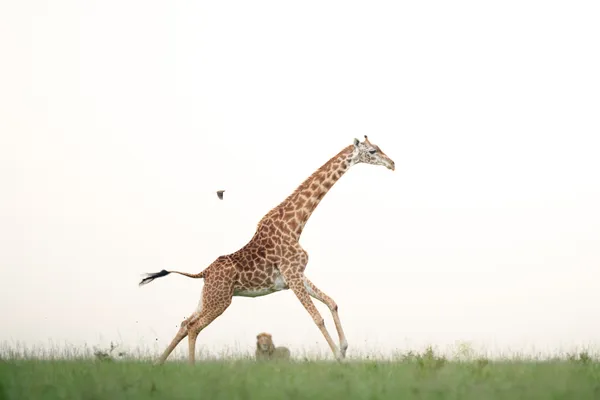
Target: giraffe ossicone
{"x":273,"y":259}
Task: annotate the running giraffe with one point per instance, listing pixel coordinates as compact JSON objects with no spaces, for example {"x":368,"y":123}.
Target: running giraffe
{"x":273,"y":259}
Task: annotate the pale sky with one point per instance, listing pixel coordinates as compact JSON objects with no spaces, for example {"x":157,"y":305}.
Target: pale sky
{"x":120,"y":120}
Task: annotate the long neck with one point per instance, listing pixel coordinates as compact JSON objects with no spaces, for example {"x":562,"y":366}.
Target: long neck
{"x":293,"y":213}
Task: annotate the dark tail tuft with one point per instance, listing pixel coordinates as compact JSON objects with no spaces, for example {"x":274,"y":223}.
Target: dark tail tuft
{"x":150,"y":277}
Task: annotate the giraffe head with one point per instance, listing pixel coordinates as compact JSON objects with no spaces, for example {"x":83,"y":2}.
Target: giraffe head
{"x":369,"y":153}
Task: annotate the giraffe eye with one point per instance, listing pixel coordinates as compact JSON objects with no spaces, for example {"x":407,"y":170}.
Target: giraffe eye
{"x":372,"y":151}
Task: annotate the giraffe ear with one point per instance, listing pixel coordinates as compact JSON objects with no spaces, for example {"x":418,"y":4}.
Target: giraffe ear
{"x":356,"y":142}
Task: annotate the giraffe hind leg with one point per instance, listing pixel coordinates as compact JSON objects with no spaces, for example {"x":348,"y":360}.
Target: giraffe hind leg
{"x":216,"y":299}
{"x":316,"y":293}
{"x":181,"y":334}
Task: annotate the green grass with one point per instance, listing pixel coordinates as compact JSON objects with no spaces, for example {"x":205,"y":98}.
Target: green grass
{"x":412,"y":376}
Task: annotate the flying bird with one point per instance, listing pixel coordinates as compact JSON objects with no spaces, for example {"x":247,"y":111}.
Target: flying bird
{"x":220,"y":194}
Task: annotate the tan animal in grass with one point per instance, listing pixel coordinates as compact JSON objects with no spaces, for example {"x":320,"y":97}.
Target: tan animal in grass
{"x":266,"y":350}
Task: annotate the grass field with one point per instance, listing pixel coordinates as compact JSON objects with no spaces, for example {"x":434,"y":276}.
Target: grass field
{"x":413,"y":376}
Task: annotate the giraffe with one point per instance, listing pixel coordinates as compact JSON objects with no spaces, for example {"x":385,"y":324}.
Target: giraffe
{"x":273,"y":259}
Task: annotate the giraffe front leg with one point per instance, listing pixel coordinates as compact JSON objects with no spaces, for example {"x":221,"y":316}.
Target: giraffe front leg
{"x":316,"y":293}
{"x":297,"y":286}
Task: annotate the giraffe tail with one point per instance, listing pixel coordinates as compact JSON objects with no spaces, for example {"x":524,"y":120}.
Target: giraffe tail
{"x":152,"y":276}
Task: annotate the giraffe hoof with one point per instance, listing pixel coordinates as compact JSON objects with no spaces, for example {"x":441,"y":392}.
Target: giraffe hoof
{"x":343,"y":348}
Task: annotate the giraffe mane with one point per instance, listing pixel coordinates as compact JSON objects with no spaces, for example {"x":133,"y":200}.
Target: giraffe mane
{"x":346,"y":150}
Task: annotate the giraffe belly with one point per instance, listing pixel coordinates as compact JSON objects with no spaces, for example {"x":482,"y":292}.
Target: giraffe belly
{"x":278,"y":284}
